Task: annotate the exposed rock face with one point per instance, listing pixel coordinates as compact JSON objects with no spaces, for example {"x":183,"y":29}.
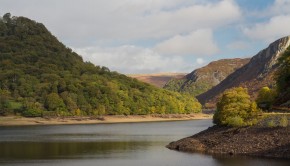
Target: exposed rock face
{"x":202,"y":79}
{"x":259,"y":72}
{"x":158,"y":80}
{"x":253,"y":141}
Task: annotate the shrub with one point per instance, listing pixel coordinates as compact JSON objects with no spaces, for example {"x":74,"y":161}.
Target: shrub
{"x":266,"y":97}
{"x":236,"y":109}
{"x":271,"y":123}
{"x":283,"y":121}
{"x":235,"y":121}
{"x":32,"y":113}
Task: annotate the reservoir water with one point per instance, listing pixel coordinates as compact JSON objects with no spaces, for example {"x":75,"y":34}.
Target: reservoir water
{"x":124,"y":144}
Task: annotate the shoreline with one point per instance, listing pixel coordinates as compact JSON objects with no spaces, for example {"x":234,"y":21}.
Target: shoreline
{"x":108,"y":119}
{"x":244,"y":141}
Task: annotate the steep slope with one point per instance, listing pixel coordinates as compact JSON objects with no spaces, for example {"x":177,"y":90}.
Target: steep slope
{"x":283,"y":81}
{"x":202,"y":79}
{"x":257,"y":73}
{"x":41,"y":76}
{"x":158,"y":80}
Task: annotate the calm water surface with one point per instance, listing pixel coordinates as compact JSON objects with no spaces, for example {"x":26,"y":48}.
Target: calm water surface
{"x":127,"y":144}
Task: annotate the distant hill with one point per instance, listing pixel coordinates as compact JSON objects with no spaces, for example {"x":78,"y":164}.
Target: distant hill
{"x":39,"y":76}
{"x":259,"y":72}
{"x":202,"y":79}
{"x":158,"y":80}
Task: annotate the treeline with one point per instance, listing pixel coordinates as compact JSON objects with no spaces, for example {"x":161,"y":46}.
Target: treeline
{"x":39,"y":76}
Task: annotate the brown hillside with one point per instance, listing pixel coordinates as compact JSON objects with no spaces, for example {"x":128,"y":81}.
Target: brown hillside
{"x":257,"y":73}
{"x":202,"y":79}
{"x":158,"y":80}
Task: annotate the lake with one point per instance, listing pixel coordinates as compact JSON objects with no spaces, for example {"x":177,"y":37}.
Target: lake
{"x":124,"y":144}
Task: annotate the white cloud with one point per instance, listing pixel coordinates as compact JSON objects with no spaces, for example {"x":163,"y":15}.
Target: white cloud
{"x":131,"y":59}
{"x":276,"y":27}
{"x":80,"y":22}
{"x":280,"y":7}
{"x":117,"y":26}
{"x":199,"y":42}
{"x":200,"y":61}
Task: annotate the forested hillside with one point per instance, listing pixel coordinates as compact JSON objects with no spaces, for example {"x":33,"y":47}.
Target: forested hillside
{"x":41,"y":76}
{"x":283,"y":80}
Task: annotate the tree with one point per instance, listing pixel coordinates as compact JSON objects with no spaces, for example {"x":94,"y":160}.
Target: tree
{"x":54,"y":102}
{"x":4,"y":101}
{"x":7,"y":17}
{"x":265,"y":98}
{"x":236,"y":109}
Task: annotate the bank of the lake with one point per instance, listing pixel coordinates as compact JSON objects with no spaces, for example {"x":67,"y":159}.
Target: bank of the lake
{"x":251,"y":141}
{"x":18,"y":120}
{"x":119,"y":144}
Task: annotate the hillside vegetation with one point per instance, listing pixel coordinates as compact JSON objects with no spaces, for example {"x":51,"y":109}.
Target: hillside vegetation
{"x":283,"y":80}
{"x":39,"y":76}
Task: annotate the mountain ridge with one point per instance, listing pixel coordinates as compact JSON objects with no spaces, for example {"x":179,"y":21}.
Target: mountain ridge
{"x":202,"y":79}
{"x":259,"y":72}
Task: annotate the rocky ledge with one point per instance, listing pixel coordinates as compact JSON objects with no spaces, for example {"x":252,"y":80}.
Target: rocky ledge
{"x":252,"y":141}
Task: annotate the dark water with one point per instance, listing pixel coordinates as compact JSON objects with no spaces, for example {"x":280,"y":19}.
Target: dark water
{"x":128,"y":144}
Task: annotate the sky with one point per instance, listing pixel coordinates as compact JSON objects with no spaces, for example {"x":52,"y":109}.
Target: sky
{"x":158,"y":36}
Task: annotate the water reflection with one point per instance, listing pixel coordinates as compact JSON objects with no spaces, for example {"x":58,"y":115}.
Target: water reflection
{"x":128,"y":144}
{"x":57,"y":150}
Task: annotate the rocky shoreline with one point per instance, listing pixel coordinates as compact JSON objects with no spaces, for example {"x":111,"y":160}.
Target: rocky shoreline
{"x":251,"y":141}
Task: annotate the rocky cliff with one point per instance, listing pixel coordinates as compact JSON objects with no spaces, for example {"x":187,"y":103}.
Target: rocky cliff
{"x":254,"y":75}
{"x":202,"y":79}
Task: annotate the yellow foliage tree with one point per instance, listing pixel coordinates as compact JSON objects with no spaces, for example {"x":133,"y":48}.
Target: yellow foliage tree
{"x":236,"y":109}
{"x":265,"y":98}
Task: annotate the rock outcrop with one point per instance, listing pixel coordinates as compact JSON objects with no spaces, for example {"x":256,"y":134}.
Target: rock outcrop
{"x":252,"y":141}
{"x":259,"y":72}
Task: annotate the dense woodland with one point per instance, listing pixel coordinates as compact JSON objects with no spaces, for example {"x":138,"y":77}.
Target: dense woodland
{"x":39,"y":76}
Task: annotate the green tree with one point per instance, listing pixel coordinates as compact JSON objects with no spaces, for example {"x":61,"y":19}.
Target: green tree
{"x":4,"y":102}
{"x":266,"y":97}
{"x":54,"y":102}
{"x":235,"y":107}
{"x":32,"y":109}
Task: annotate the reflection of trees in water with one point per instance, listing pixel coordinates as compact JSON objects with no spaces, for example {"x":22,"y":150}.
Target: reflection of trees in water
{"x":56,"y":150}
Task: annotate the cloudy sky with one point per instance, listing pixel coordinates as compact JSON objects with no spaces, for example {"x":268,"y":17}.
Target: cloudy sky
{"x":153,"y":36}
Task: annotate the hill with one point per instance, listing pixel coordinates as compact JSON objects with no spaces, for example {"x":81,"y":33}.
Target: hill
{"x":158,"y":80}
{"x":259,"y":72}
{"x":202,"y":79}
{"x":39,"y":76}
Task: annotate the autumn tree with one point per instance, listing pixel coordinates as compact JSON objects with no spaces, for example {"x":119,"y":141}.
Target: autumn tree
{"x":236,"y":109}
{"x":266,"y":97}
